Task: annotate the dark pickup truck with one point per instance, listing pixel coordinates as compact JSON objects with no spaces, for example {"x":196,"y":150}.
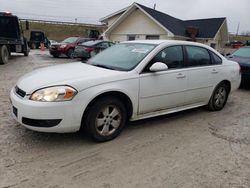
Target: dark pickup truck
{"x":36,"y":38}
{"x":11,"y":37}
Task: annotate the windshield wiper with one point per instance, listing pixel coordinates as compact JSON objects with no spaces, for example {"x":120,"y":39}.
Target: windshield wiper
{"x":103,"y":66}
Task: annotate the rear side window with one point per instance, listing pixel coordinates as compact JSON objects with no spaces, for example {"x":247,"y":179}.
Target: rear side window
{"x":171,"y":56}
{"x":216,"y":59}
{"x":197,"y":56}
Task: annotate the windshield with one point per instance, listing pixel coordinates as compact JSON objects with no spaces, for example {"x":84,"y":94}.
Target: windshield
{"x":9,"y":27}
{"x":242,"y":52}
{"x":70,"y":40}
{"x":123,"y":56}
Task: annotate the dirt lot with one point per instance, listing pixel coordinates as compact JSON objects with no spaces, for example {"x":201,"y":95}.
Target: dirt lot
{"x":195,"y":148}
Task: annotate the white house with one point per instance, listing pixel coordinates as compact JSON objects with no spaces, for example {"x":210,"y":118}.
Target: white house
{"x":138,"y":22}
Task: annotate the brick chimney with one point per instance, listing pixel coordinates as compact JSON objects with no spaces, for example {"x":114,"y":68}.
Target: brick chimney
{"x":192,"y":32}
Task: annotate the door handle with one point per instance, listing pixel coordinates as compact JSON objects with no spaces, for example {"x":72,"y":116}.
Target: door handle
{"x":180,"y":75}
{"x":214,"y":71}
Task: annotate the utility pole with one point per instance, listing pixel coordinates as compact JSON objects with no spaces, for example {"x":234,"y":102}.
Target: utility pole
{"x":154,"y":6}
{"x":238,"y":29}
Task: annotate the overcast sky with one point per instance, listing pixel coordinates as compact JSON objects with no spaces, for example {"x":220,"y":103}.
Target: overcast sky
{"x":90,"y":11}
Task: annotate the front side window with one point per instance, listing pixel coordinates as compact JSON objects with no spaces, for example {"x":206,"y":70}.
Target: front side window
{"x":124,"y":56}
{"x":171,"y":56}
{"x":197,"y":56}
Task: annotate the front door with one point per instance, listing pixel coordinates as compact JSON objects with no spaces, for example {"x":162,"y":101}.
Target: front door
{"x":165,"y":89}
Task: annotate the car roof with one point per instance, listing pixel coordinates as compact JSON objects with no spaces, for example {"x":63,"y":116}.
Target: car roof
{"x":167,"y":42}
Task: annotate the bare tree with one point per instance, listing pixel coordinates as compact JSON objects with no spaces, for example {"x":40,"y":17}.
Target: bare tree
{"x":245,"y":33}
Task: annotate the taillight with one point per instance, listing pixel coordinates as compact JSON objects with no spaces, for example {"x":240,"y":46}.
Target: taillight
{"x":89,"y":50}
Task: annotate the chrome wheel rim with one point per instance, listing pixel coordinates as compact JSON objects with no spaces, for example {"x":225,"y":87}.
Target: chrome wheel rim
{"x":220,"y":97}
{"x":108,"y":120}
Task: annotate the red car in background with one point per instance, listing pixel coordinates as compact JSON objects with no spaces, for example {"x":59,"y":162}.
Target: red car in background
{"x":66,"y":47}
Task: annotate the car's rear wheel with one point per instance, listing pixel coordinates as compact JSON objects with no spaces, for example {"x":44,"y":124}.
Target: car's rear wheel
{"x":4,"y":54}
{"x":219,"y":97}
{"x":70,"y":53}
{"x":105,"y":119}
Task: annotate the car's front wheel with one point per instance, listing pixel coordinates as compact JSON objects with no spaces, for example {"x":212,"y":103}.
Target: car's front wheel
{"x":105,"y":119}
{"x":219,"y":97}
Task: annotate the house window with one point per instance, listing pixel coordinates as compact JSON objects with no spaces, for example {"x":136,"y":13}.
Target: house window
{"x":152,"y":37}
{"x":131,"y":37}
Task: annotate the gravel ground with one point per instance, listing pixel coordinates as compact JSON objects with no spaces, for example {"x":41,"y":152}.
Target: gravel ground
{"x":195,"y":148}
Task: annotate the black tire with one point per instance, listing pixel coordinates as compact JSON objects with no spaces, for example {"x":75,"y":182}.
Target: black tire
{"x":32,"y":46}
{"x":70,"y":53}
{"x":111,"y":113}
{"x":219,"y":97}
{"x":26,"y":53}
{"x":55,"y":55}
{"x":4,"y":54}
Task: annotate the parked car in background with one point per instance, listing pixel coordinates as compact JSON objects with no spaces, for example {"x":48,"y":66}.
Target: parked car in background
{"x":91,"y":48}
{"x":11,"y":37}
{"x":66,"y":47}
{"x":36,"y":38}
{"x":53,"y":41}
{"x":236,"y":44}
{"x":247,"y":43}
{"x":129,"y":81}
{"x":242,"y":56}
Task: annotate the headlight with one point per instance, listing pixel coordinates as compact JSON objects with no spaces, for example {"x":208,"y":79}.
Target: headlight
{"x":63,"y":46}
{"x":54,"y":94}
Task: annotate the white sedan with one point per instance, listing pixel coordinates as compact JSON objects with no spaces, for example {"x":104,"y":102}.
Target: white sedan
{"x":129,"y":81}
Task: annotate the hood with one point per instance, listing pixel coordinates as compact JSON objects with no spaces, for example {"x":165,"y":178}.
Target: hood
{"x":78,"y":75}
{"x":58,"y":44}
{"x":240,"y":60}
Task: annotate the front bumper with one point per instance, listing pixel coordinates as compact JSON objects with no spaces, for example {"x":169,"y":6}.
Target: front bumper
{"x":57,"y":51}
{"x":81,"y":54}
{"x":46,"y":116}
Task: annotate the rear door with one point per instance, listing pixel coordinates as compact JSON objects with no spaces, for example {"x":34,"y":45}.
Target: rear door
{"x":202,"y":74}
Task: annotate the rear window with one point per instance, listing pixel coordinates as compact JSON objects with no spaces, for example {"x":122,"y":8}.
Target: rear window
{"x":37,"y":36}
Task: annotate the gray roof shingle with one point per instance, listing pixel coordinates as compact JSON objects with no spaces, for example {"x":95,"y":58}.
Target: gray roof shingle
{"x":207,"y":27}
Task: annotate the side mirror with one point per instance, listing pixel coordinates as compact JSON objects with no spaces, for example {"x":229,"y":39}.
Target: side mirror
{"x":158,"y":66}
{"x":228,"y":54}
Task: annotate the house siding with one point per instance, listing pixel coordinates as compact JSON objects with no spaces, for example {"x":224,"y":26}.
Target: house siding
{"x":137,"y":24}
